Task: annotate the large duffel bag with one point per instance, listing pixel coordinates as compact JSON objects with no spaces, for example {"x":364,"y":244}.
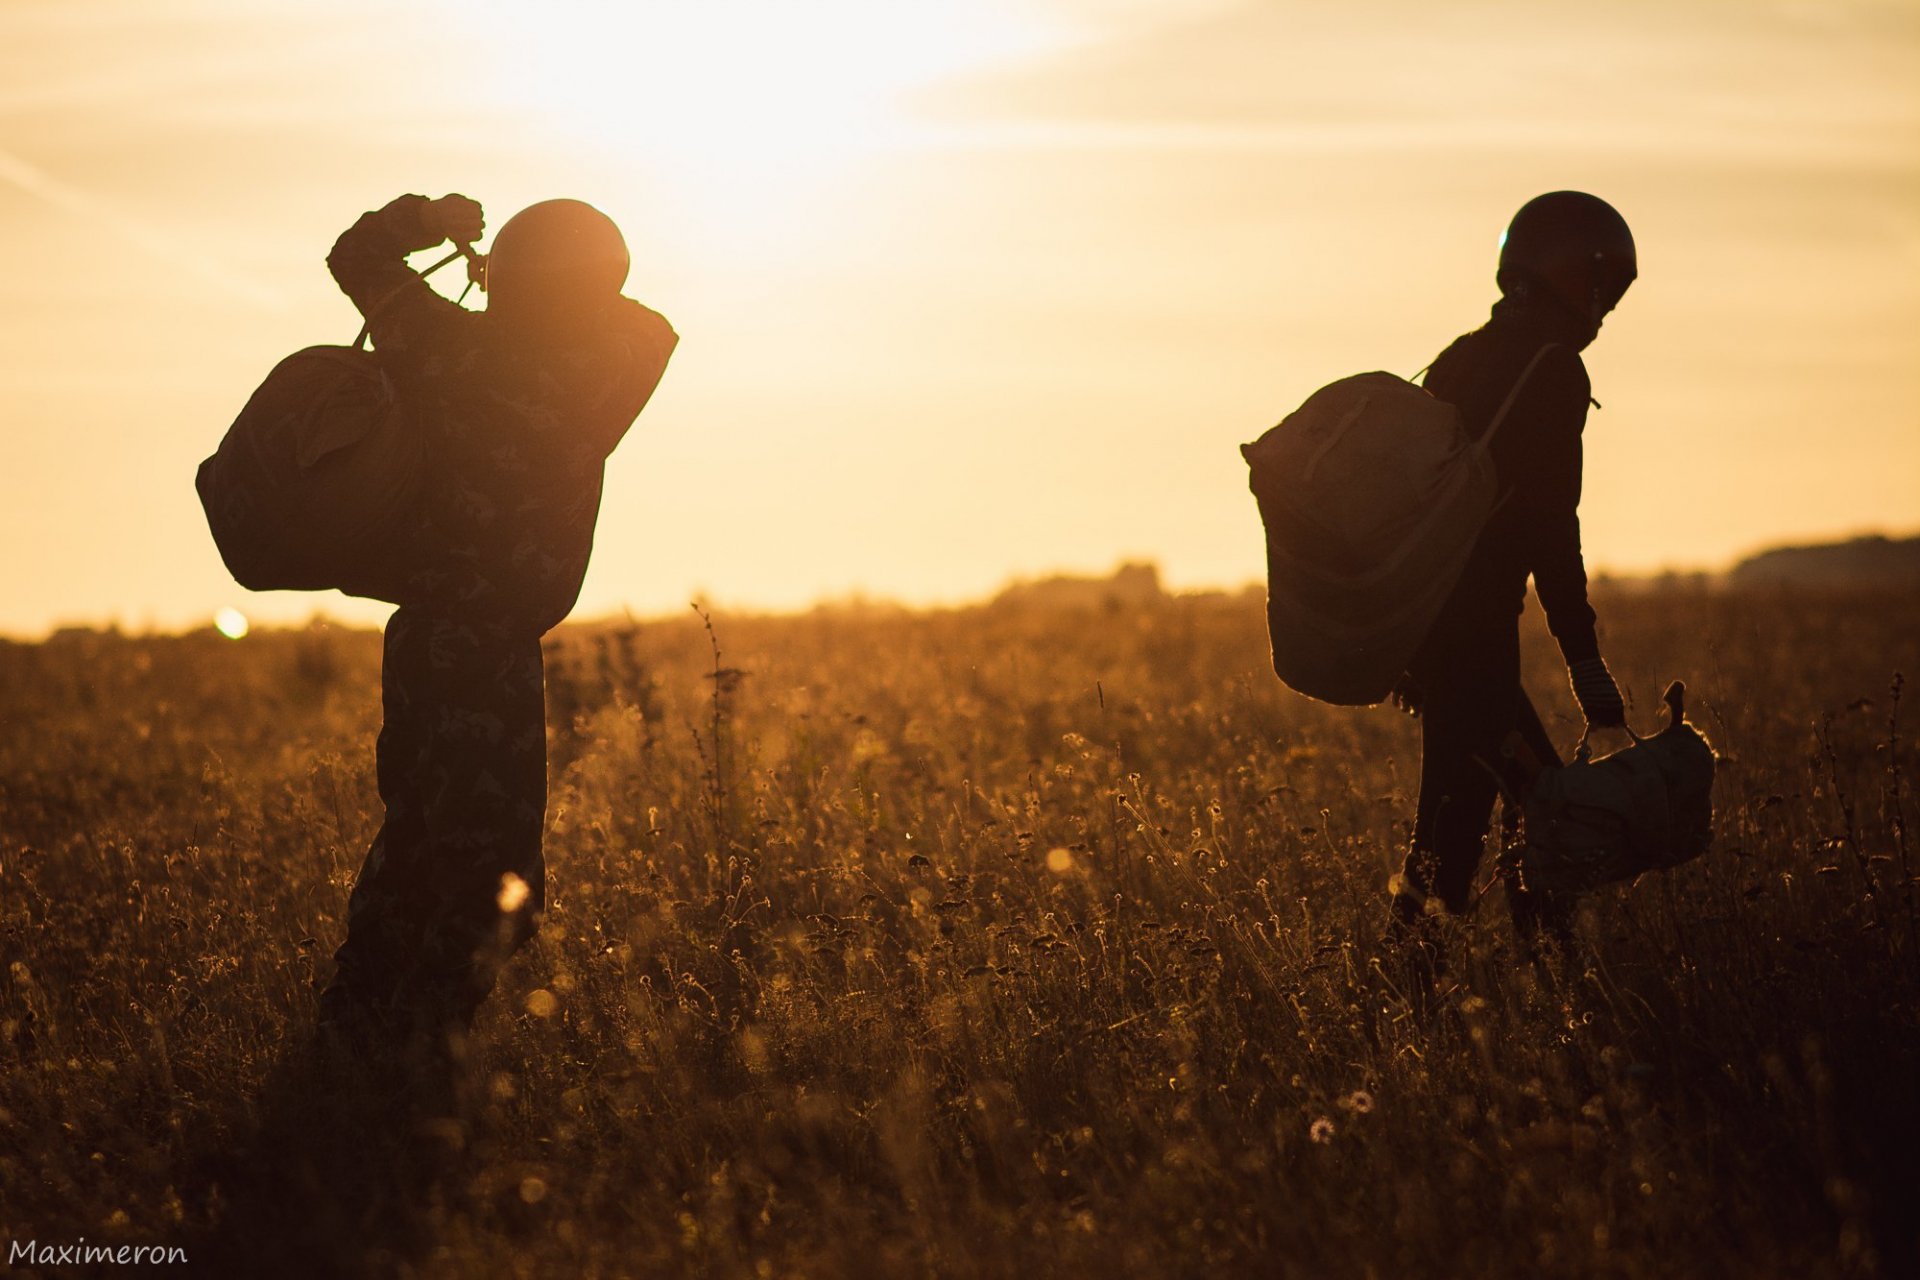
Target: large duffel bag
{"x":1372,"y":495}
{"x":315,"y":482}
{"x":316,"y":485}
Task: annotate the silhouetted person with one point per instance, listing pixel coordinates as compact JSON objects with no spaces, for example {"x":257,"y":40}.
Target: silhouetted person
{"x":1565,"y":261}
{"x":520,"y":406}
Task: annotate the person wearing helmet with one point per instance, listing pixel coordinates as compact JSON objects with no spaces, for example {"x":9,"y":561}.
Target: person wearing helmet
{"x":1566,"y":259}
{"x":520,"y":405}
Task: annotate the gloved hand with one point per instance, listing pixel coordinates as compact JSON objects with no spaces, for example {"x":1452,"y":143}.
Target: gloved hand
{"x":1598,"y":695}
{"x":456,"y":218}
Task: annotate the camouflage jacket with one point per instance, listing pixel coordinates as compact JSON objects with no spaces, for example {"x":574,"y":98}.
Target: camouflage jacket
{"x":517,"y":433}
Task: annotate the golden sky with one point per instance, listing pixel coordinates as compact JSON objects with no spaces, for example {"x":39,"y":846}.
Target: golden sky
{"x":967,"y":289}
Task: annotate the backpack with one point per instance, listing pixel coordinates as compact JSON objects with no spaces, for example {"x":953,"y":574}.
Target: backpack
{"x":1372,"y":495}
{"x":1646,"y":807}
{"x":316,"y":484}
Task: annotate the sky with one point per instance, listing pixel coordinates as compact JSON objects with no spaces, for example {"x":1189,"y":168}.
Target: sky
{"x":967,"y":291}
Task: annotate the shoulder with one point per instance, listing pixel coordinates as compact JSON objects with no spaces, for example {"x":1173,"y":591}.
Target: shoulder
{"x":643,"y":331}
{"x":1558,"y":388}
{"x":1448,"y":366}
{"x":432,"y":333}
{"x":1559,"y":365}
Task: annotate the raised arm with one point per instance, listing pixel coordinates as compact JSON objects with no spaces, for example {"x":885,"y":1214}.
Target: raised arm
{"x":369,"y":263}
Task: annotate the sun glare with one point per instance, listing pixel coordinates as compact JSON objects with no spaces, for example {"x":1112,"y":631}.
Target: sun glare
{"x":739,"y":100}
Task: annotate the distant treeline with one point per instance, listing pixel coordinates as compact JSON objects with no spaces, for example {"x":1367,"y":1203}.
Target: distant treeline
{"x":1874,"y":561}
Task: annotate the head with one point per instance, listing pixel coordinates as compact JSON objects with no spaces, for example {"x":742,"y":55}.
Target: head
{"x":1572,"y":247}
{"x":555,"y":261}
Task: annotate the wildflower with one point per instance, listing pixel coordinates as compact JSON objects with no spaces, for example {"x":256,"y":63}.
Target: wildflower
{"x":1359,"y":1102}
{"x":1321,"y":1130}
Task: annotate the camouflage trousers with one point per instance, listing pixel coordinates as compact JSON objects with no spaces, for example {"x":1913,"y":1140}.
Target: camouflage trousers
{"x":454,"y":881}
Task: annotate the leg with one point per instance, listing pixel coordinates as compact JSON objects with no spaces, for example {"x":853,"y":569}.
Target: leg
{"x":486,"y":805}
{"x":462,"y":764}
{"x":1457,"y":791}
{"x":1470,"y":678}
{"x":385,"y":909}
{"x":1533,"y":912}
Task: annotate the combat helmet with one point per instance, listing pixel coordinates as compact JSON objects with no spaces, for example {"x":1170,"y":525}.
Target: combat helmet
{"x":556,"y":254}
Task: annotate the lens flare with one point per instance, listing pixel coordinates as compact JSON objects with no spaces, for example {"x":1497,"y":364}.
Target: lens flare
{"x":513,"y":894}
{"x":231,"y":623}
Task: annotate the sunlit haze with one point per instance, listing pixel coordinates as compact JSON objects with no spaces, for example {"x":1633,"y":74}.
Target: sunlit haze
{"x":966,"y":291}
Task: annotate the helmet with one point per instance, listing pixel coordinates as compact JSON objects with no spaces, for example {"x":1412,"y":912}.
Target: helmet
{"x":554,"y":255}
{"x":1575,"y":246}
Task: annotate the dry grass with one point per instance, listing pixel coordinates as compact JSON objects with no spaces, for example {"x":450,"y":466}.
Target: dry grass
{"x":1000,"y":942}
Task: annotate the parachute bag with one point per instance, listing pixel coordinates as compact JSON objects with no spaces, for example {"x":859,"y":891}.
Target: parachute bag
{"x":315,"y":477}
{"x":1647,"y":807}
{"x":317,"y":483}
{"x":1372,"y":496}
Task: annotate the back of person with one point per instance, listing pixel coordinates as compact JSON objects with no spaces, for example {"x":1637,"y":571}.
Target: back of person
{"x":1537,"y":457}
{"x":521,"y":432}
{"x":518,"y":408}
{"x":520,"y":405}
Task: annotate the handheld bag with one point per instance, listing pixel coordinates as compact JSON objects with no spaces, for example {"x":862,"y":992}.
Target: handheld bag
{"x":1644,"y":808}
{"x":315,"y":478}
{"x":316,"y":483}
{"x":1372,"y":495}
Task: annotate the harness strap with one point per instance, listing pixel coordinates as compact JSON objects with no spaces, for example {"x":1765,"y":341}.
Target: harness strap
{"x":459,"y":251}
{"x":1493,"y":428}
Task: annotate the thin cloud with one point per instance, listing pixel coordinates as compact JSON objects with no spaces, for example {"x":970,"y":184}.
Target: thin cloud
{"x":69,"y":199}
{"x":1724,"y":142}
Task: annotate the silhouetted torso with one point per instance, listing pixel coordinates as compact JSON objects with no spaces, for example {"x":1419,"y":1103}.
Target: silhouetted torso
{"x":518,"y":434}
{"x":1537,"y":455}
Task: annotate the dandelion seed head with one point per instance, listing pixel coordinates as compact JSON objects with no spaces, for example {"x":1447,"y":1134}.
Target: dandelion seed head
{"x":1059,"y":861}
{"x":541,"y":1003}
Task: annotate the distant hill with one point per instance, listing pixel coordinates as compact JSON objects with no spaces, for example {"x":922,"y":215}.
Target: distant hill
{"x":1134,"y":583}
{"x":1863,"y":562}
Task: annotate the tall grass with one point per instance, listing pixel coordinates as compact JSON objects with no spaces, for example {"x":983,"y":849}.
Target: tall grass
{"x":1006,"y":941}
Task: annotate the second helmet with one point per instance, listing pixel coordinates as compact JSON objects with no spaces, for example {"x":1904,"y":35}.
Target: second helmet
{"x":1575,"y":245}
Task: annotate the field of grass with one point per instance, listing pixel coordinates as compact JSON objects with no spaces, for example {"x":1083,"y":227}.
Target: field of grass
{"x":1009,"y":941}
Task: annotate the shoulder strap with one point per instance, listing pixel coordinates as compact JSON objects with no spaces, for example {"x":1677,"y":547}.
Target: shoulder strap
{"x":1519,"y":384}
